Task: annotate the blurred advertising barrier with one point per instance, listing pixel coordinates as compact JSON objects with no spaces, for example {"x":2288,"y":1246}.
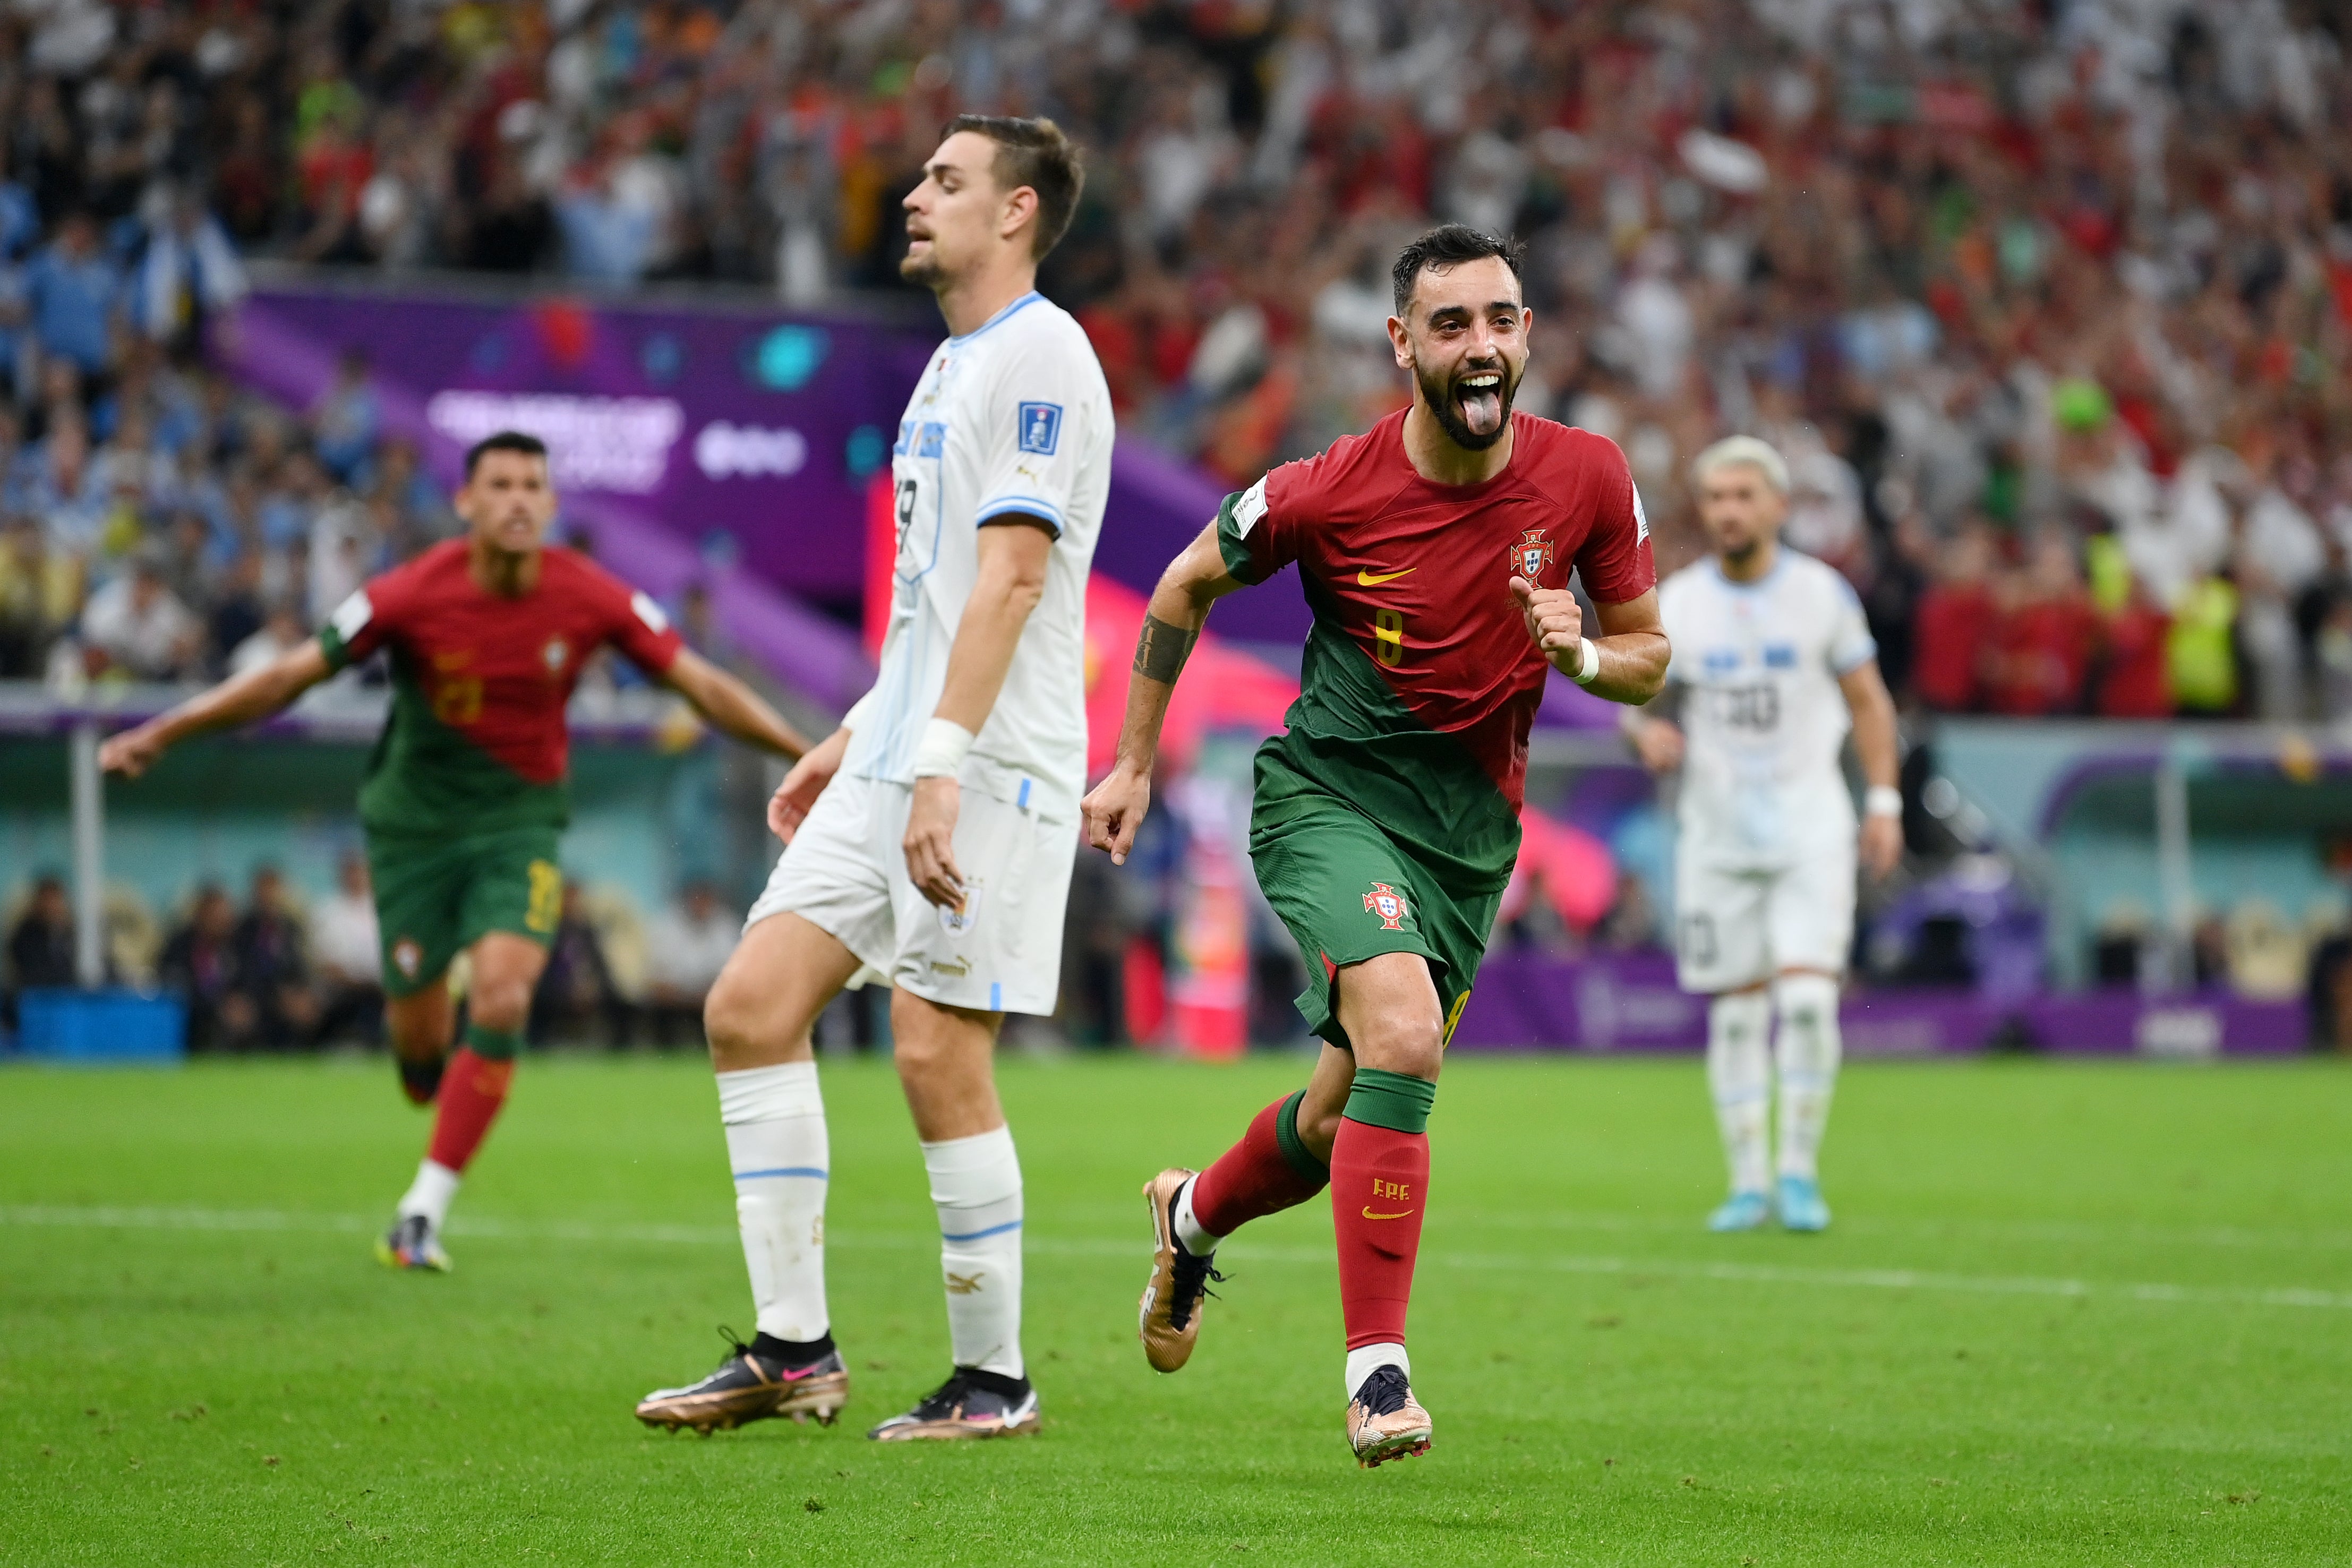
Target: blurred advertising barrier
{"x":109,"y":1028}
{"x":1630,"y":1003}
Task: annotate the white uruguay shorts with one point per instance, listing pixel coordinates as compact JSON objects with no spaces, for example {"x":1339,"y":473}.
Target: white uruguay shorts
{"x":1738,"y":925}
{"x":845,"y":873}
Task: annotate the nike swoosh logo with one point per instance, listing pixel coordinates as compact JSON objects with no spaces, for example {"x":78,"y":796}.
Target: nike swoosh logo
{"x":1374,"y":580}
{"x":1369,"y":1214}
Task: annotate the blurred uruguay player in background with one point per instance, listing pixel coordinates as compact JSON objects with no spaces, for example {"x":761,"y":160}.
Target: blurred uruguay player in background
{"x":1772,"y":664}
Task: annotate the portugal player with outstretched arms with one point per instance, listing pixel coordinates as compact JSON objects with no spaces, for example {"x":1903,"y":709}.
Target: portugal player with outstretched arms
{"x":465,"y":798}
{"x":1435,"y":551}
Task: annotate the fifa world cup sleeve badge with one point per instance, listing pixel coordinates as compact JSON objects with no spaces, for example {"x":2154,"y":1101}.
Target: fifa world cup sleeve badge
{"x":1388,"y":904}
{"x":1532,"y":554}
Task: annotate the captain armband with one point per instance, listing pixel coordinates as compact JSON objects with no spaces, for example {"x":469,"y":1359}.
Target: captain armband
{"x":1160,"y":650}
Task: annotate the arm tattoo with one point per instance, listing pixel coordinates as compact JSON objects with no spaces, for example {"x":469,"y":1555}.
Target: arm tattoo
{"x":1162,"y":649}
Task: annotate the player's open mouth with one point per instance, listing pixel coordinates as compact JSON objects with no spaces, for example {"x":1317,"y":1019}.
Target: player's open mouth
{"x":1480,"y":398}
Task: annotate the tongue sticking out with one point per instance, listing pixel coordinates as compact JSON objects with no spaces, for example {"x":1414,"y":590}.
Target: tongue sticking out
{"x":1481,"y":407}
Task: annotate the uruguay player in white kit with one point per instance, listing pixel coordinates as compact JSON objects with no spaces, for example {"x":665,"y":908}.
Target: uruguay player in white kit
{"x":931,"y":837}
{"x":1773,"y":663}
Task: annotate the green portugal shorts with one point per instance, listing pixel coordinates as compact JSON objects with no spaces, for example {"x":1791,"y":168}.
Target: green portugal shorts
{"x":435,"y":897}
{"x":1349,"y":891}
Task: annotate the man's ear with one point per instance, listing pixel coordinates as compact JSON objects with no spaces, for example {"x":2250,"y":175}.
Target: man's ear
{"x":1019,"y":207}
{"x":1402,"y":344}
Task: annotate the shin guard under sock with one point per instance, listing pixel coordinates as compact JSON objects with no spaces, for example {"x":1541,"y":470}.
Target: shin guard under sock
{"x":1380,"y":1179}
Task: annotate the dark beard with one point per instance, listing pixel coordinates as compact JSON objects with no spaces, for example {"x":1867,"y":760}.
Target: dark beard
{"x":1441,"y":403}
{"x":924,"y":274}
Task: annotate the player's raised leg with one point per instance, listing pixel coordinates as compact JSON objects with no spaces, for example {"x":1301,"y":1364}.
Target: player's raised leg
{"x":944,"y":1059}
{"x":1739,"y":1077}
{"x":1806,"y":1048}
{"x":1379,"y":1186}
{"x":759,"y":1017}
{"x":505,"y":971}
{"x":1283,"y":1160}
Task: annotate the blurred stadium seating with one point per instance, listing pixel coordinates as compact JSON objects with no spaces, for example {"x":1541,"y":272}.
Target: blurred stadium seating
{"x":2050,"y":304}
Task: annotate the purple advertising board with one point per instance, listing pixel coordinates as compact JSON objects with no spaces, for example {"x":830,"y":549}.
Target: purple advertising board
{"x":759,"y":426}
{"x":1630,"y":1002}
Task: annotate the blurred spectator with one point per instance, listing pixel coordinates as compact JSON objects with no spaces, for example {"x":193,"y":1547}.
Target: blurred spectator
{"x":272,"y":970}
{"x":577,"y":1001}
{"x":134,"y":627}
{"x":74,"y":291}
{"x":41,"y":945}
{"x":347,"y":956}
{"x":1955,"y":625}
{"x":2039,"y":652}
{"x":685,"y":947}
{"x":199,"y":963}
{"x":347,"y":418}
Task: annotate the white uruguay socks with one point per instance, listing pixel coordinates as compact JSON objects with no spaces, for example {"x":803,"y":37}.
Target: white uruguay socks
{"x":1808,"y":1047}
{"x":1738,"y":1074}
{"x":777,"y":1146}
{"x":430,"y":1192}
{"x":976,"y":1184}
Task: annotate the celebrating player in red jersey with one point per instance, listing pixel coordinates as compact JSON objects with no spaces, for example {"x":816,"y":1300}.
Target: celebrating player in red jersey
{"x":465,"y":798}
{"x":1435,"y":550}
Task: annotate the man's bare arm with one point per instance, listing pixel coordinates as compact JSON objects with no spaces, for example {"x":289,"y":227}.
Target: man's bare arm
{"x":239,"y":700}
{"x":1879,"y":746}
{"x":1011,"y":581}
{"x":732,"y":706}
{"x":1179,"y":605}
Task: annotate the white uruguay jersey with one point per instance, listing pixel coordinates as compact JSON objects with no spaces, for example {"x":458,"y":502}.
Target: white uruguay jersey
{"x":1764,"y":718}
{"x":1013,"y":417}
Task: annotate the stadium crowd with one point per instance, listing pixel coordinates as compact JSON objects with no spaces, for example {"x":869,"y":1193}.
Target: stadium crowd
{"x":2047,"y":298}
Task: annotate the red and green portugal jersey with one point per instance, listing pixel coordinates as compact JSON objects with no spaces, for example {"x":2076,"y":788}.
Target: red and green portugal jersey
{"x":476,"y":741}
{"x":1419,"y":682}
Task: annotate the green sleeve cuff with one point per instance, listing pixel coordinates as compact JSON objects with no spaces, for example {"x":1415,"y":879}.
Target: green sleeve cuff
{"x":331,"y":643}
{"x":1233,"y":548}
{"x":1390,"y":1099}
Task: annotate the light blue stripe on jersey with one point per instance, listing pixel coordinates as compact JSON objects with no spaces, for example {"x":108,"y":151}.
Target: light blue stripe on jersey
{"x":976,"y":1234}
{"x":1022,"y":803}
{"x":996,"y":996}
{"x":809,"y":1171}
{"x":1006,"y":314}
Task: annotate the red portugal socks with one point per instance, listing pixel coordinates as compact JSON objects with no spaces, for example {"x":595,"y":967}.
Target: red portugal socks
{"x":471,"y":1092}
{"x":1268,"y":1171}
{"x":1380,"y":1177}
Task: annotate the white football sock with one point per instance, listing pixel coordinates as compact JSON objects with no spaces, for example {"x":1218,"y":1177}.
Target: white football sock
{"x":430,"y":1192}
{"x":1808,"y":1045}
{"x":1365,"y":1360}
{"x":777,"y":1147}
{"x":1198,"y":1241}
{"x":976,"y":1185}
{"x":1738,"y":1074}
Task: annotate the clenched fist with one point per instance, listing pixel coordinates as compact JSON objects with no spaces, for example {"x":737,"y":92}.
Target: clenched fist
{"x":1555,"y":621}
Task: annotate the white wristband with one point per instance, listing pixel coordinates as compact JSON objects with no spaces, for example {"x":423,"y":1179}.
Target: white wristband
{"x":1589,"y":669}
{"x":1882,"y":800}
{"x":940,"y":752}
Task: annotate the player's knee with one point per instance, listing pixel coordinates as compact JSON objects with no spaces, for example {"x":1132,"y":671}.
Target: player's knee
{"x":502,"y":1003}
{"x":1409,"y":1044}
{"x":729,"y":1017}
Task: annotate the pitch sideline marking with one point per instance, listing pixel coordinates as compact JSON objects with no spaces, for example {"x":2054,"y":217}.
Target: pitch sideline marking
{"x":264,"y":1219}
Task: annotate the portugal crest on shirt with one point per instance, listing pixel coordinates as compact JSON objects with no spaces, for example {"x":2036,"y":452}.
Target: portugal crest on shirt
{"x":1388,"y":904}
{"x":556,"y":652}
{"x":1532,"y":554}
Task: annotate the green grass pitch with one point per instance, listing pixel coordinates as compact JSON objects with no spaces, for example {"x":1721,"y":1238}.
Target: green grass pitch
{"x":2069,"y":1314}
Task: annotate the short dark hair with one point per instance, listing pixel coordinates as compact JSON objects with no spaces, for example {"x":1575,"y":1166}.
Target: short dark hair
{"x":1448,"y":245}
{"x":1036,"y":154}
{"x":503,"y":441}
